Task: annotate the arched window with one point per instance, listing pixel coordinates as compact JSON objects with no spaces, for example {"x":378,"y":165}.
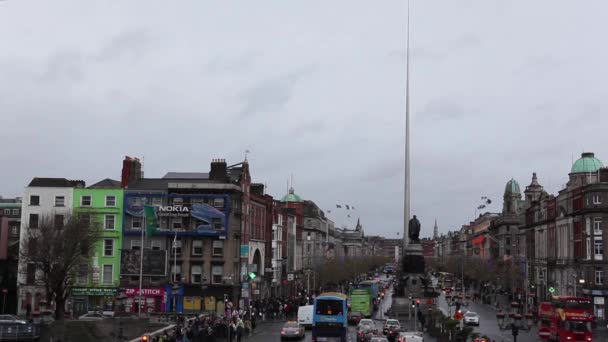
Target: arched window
{"x":27,"y":300}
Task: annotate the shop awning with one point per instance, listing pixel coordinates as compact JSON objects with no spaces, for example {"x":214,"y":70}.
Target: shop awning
{"x":479,"y":240}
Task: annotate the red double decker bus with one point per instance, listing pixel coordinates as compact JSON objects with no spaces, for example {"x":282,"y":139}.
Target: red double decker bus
{"x":566,"y":319}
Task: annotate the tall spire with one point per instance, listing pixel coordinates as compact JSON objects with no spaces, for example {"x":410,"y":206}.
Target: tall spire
{"x":406,"y":192}
{"x":435,"y":231}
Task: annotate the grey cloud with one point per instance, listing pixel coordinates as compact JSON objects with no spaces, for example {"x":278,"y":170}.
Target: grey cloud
{"x":66,"y":66}
{"x":131,"y":44}
{"x":235,"y":64}
{"x":441,"y":109}
{"x":272,"y":94}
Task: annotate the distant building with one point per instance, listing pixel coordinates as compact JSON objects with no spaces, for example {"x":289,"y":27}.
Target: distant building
{"x":10,"y":222}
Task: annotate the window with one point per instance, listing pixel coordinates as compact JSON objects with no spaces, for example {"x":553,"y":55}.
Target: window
{"x":110,"y":201}
{"x":155,"y":245}
{"x":597,"y":199}
{"x":33,"y":220}
{"x":157,"y":201}
{"x":197,"y":247}
{"x":333,"y":307}
{"x":176,"y":272}
{"x":85,"y":201}
{"x":597,"y":226}
{"x":308,"y":248}
{"x":136,"y":223}
{"x":136,"y":244}
{"x":34,"y":200}
{"x":599,"y":277}
{"x":599,"y":250}
{"x":218,"y":248}
{"x":15,"y":212}
{"x":196,"y":276}
{"x":83,"y":269}
{"x":107,"y":274}
{"x":508,"y":241}
{"x":218,"y":202}
{"x":7,"y":212}
{"x":109,"y":222}
{"x":176,"y":247}
{"x":217,"y":273}
{"x":108,"y":247}
{"x":178,"y":201}
{"x":217,"y":223}
{"x":85,"y":218}
{"x":177,"y":223}
{"x":30,"y":278}
{"x":59,"y":201}
{"x":58,"y":221}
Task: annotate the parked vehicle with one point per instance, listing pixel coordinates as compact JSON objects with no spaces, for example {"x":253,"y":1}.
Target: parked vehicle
{"x":10,"y":319}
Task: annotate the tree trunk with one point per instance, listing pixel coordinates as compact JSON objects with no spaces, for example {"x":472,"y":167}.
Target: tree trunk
{"x":59,"y":308}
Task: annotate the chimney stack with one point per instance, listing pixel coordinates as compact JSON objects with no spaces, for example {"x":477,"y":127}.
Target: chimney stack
{"x":604,"y":175}
{"x":131,"y":171}
{"x":219,"y":170}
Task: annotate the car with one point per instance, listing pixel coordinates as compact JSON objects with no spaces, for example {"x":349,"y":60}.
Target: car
{"x":410,"y":336}
{"x":354,"y":317}
{"x":367,"y":322}
{"x":92,"y":316}
{"x":10,"y":319}
{"x":391,"y":324}
{"x":471,"y":318}
{"x":365,"y":333}
{"x":379,"y":339}
{"x":292,"y":330}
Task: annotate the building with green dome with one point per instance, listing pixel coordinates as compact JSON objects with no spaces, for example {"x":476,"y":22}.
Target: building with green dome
{"x":291,"y":196}
{"x":585,"y":170}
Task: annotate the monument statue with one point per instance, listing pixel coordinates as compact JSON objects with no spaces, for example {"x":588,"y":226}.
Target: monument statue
{"x":414,"y":230}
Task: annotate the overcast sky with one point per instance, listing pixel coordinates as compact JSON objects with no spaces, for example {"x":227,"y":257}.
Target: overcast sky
{"x":499,"y":89}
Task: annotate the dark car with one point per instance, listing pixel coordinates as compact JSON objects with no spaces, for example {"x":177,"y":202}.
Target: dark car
{"x":354,"y":317}
{"x":365,"y":333}
{"x":391,"y":325}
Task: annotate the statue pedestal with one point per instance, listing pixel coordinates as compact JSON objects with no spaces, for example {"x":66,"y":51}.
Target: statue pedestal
{"x":413,"y":270}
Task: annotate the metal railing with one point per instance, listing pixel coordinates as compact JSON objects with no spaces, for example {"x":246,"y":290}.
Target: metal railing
{"x":19,"y":332}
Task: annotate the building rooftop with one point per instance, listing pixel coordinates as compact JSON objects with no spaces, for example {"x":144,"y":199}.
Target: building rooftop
{"x":186,"y":175}
{"x":106,"y":184}
{"x":512,"y":187}
{"x":56,"y":183}
{"x":586,"y":163}
{"x":291,"y":197}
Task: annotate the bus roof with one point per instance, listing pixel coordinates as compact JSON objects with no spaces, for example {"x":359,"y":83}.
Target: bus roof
{"x":333,"y":294}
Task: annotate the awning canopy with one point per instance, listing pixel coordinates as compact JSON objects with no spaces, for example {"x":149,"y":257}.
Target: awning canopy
{"x":479,"y":240}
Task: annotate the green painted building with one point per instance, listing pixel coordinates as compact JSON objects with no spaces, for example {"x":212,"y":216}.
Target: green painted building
{"x":96,"y":285}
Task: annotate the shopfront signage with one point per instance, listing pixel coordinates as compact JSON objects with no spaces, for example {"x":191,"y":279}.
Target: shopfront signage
{"x":244,"y":251}
{"x":145,"y":292}
{"x":94,"y":291}
{"x":173,"y":211}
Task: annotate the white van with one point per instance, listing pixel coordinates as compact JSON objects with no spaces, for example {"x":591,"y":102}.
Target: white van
{"x":305,"y":315}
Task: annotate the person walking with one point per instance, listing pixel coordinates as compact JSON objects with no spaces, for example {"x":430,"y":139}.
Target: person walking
{"x":240,"y":329}
{"x":232,"y":329}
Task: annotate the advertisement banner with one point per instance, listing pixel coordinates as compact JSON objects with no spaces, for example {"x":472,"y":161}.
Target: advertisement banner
{"x":181,"y":214}
{"x":155,"y":262}
{"x":244,"y":251}
{"x":94,"y":291}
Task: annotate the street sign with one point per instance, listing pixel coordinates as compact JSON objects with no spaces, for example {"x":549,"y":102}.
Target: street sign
{"x":257,"y":292}
{"x":244,"y":285}
{"x":290,"y":276}
{"x":551,"y":290}
{"x":253,"y":267}
{"x":244,"y":251}
{"x":245,"y":293}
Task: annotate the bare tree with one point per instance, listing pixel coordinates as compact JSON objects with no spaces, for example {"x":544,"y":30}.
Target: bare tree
{"x":55,"y":249}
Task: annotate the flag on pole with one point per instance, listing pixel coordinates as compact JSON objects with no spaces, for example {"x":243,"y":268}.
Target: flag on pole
{"x":338,"y":206}
{"x":151,"y":220}
{"x":488,"y":201}
{"x":347,"y":207}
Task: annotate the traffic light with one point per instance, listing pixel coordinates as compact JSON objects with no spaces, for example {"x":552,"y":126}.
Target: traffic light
{"x":413,"y":304}
{"x":252,"y":275}
{"x":417,"y":303}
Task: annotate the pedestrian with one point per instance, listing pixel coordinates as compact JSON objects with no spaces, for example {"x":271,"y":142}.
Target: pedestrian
{"x":232,"y":329}
{"x":240,"y":329}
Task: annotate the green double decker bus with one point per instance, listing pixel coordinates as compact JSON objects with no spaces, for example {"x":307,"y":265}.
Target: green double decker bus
{"x":361,"y":301}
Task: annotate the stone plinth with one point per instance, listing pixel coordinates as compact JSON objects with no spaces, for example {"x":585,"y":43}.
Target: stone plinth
{"x":413,"y":271}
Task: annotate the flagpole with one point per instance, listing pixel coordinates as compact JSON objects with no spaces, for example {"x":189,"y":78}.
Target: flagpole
{"x":141,"y":261}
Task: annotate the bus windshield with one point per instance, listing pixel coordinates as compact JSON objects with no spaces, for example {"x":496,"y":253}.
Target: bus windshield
{"x":578,"y":305}
{"x":330,"y":307}
{"x":576,"y":326}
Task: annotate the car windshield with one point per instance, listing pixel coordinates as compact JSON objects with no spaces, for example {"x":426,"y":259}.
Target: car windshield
{"x":291,"y":325}
{"x":471,"y":314}
{"x":379,"y":339}
{"x":392,"y":322}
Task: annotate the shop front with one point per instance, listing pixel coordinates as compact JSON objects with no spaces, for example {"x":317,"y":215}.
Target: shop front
{"x":599,"y":296}
{"x":152,"y":299}
{"x":87,"y":299}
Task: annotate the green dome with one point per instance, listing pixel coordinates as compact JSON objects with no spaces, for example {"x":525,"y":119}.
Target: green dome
{"x":291,"y":197}
{"x":587,"y":163}
{"x":512,"y":187}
